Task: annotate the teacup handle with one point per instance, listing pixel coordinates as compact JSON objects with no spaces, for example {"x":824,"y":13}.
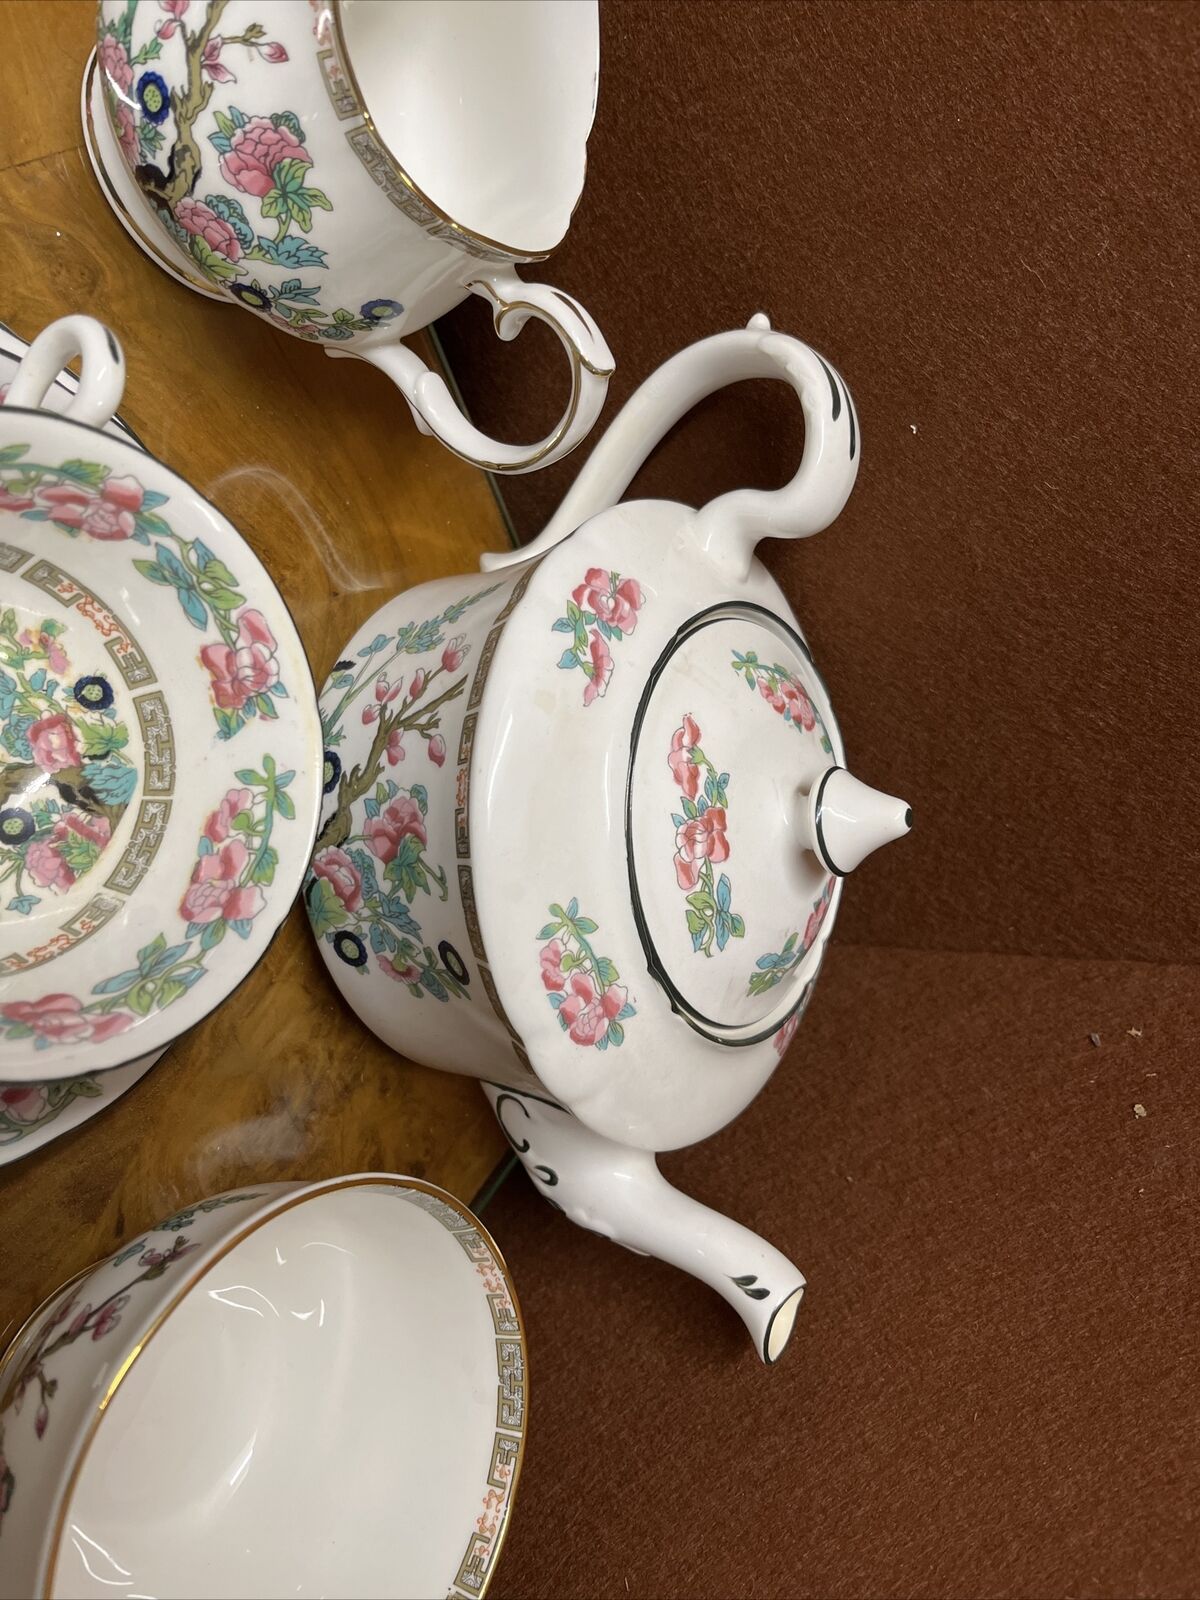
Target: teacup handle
{"x":101,"y":375}
{"x":513,"y":302}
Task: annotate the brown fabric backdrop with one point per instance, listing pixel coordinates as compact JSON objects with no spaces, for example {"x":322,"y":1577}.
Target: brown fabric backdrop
{"x":986,"y":216}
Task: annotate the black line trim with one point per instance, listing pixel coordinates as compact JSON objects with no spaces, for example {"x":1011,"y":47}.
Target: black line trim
{"x":823,"y":847}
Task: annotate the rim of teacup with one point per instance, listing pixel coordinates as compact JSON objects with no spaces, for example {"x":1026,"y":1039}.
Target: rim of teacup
{"x":67,"y":1065}
{"x":400,"y":172}
{"x":158,"y":1316}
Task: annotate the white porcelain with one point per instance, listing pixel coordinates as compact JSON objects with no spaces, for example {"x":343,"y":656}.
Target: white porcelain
{"x":291,"y":1389}
{"x":159,"y":743}
{"x":573,"y":840}
{"x":58,"y":396}
{"x":34,"y":1114}
{"x":352,"y":170}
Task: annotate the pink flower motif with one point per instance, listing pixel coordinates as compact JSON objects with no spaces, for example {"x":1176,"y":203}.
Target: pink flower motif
{"x":386,"y":693}
{"x":602,"y":668}
{"x":587,"y":1013}
{"x":615,"y":603}
{"x":175,"y":10}
{"x":394,"y":749}
{"x":220,"y":822}
{"x":14,"y":502}
{"x":96,"y":830}
{"x":46,"y":866}
{"x":796,"y":701}
{"x":786,"y":1034}
{"x":436,"y":749}
{"x":24,"y":1102}
{"x":215,"y":890}
{"x":273,"y":52}
{"x":552,"y":973}
{"x":44,"y":860}
{"x":336,"y":867}
{"x":395,"y":823}
{"x":247,"y":668}
{"x":408,"y":973}
{"x":60,"y":1018}
{"x":370,"y":714}
{"x":417,"y":687}
{"x":79,"y":1322}
{"x":256,"y":149}
{"x":114,"y":63}
{"x":110,"y":1316}
{"x":54,"y":743}
{"x":770,"y":695}
{"x":679,"y":758}
{"x":455,"y":653}
{"x":813,"y":926}
{"x":105,"y":513}
{"x":701,"y":838}
{"x":212,"y":66}
{"x":159,"y":1258}
{"x":41,"y":1419}
{"x":126,"y":131}
{"x":45,"y":644}
{"x":195,"y":217}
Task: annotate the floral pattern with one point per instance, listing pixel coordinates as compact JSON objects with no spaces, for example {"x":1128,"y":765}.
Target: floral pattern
{"x":603,"y":610}
{"x":84,"y":497}
{"x":235,"y":860}
{"x":372,"y":860}
{"x":70,"y":1322}
{"x":261,"y":211}
{"x":786,"y":697}
{"x":65,"y":778}
{"x":26,"y":1107}
{"x":701,"y":841}
{"x":774,"y":967}
{"x":581,"y":986}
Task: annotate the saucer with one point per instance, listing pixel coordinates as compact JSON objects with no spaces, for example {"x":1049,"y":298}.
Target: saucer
{"x":160,"y":755}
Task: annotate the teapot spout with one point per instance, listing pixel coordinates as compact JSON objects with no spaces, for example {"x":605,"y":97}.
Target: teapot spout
{"x":617,"y":1191}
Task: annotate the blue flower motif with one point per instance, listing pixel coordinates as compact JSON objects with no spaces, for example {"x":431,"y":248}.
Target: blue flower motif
{"x":94,"y":694}
{"x":350,"y":948}
{"x":250,"y":294}
{"x":16,"y":825}
{"x":382,"y":310}
{"x":154,"y":97}
{"x":332,"y":772}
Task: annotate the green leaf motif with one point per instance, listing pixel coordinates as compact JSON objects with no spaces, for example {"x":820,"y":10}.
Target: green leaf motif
{"x":326,"y":912}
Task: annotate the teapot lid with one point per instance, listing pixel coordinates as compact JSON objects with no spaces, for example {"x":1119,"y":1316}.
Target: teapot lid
{"x":731,"y":895}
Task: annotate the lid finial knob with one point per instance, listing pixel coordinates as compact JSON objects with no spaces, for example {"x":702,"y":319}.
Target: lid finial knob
{"x":843,"y":820}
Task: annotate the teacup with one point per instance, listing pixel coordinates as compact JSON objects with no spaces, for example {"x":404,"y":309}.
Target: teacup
{"x":293,"y":1388}
{"x":353,"y":169}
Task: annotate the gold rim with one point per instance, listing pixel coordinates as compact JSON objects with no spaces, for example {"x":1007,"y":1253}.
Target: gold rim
{"x":289,"y":1203}
{"x":481,"y":239}
{"x":174,"y":267}
{"x":579,"y":363}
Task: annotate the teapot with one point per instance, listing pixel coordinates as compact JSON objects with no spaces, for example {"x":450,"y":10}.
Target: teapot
{"x":587,"y":823}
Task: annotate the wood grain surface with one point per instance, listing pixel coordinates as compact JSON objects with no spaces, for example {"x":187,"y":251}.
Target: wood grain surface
{"x":318,"y":464}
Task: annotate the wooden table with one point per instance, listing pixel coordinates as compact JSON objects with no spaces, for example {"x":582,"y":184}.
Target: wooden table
{"x":319,"y":465}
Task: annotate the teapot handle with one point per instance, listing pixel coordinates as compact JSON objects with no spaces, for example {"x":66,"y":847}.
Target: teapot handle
{"x":731,"y":525}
